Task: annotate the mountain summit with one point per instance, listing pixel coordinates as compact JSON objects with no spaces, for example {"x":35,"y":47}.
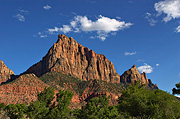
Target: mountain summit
{"x":5,"y":72}
{"x":69,"y":65}
{"x":70,"y":57}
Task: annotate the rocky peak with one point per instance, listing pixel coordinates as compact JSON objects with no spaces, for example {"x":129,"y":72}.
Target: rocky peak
{"x":5,"y":72}
{"x":132,"y":75}
{"x":70,"y":57}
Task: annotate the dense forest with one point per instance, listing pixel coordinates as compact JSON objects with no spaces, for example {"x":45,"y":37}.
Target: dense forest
{"x":136,"y":102}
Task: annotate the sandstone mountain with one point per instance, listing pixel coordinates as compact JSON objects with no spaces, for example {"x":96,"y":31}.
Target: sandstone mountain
{"x":70,"y":57}
{"x":69,"y":65}
{"x":132,"y":75}
{"x":5,"y":73}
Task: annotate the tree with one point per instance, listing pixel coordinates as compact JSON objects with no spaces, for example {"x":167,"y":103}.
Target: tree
{"x":37,"y":110}
{"x":61,"y":110}
{"x":176,"y":91}
{"x":16,"y":111}
{"x":46,"y":96}
{"x":97,"y":108}
{"x":136,"y":101}
{"x":40,"y":108}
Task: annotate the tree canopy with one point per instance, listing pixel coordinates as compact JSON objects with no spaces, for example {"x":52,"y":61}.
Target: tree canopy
{"x":135,"y":102}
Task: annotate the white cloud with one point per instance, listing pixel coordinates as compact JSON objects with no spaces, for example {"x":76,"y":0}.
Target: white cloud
{"x":179,"y":74}
{"x":41,"y":35}
{"x":169,"y":7}
{"x":157,"y":65}
{"x":178,"y":29}
{"x":118,"y":17}
{"x":64,"y":29}
{"x":151,"y":21}
{"x":130,"y":53}
{"x":47,"y":7}
{"x":145,"y":68}
{"x":102,"y":26}
{"x":20,"y":17}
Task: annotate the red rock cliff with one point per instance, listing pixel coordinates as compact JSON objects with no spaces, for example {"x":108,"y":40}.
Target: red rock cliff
{"x":5,"y":72}
{"x":132,"y":75}
{"x":70,"y":57}
{"x":22,"y":90}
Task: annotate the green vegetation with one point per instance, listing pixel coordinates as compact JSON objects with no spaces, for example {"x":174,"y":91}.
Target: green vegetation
{"x":136,"y":102}
{"x":176,"y":91}
{"x":59,"y":80}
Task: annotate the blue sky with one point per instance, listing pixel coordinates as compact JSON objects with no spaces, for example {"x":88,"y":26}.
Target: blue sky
{"x":145,"y":33}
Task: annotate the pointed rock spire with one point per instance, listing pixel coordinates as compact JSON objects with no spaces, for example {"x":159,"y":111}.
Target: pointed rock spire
{"x":70,"y":57}
{"x":132,"y":75}
{"x":5,"y":72}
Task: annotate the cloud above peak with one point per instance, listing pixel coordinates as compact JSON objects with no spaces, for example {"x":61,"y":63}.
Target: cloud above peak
{"x":145,"y":68}
{"x":169,"y":7}
{"x":102,"y":26}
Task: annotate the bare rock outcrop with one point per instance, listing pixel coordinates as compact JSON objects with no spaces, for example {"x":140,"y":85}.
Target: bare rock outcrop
{"x":70,"y":57}
{"x":5,"y":73}
{"x":132,"y":75}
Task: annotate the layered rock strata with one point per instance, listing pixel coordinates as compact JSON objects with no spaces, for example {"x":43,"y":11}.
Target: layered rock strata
{"x":70,"y":57}
{"x":22,"y":90}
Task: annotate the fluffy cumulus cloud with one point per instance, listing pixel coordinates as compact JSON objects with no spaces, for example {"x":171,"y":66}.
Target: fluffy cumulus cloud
{"x":47,"y":7}
{"x":103,"y":26}
{"x":169,"y":7}
{"x":149,"y":18}
{"x":129,"y":53}
{"x":145,"y":68}
{"x":20,"y":17}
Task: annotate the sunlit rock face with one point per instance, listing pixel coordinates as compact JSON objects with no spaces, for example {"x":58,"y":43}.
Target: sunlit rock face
{"x":5,"y":72}
{"x":70,"y":57}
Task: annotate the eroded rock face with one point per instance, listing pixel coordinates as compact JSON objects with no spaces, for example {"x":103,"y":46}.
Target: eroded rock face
{"x":132,"y":75}
{"x":22,"y":90}
{"x":5,"y":72}
{"x":70,"y":57}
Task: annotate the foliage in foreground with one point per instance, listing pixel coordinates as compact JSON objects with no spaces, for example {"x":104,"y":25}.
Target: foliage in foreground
{"x":139,"y":102}
{"x":177,"y":89}
{"x":135,"y":102}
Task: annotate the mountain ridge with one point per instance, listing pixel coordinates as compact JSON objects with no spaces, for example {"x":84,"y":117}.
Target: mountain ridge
{"x":70,"y":57}
{"x":69,"y":65}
